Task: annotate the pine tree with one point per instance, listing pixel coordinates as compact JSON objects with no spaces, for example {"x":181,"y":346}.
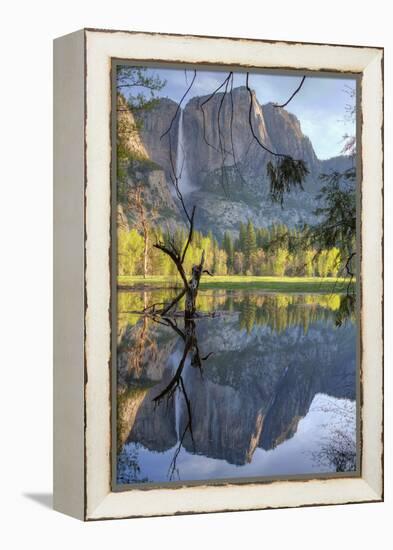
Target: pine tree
{"x":251,"y":243}
{"x":238,"y":263}
{"x":216,"y":256}
{"x":242,"y":237}
{"x":229,"y":249}
{"x":279,"y":263}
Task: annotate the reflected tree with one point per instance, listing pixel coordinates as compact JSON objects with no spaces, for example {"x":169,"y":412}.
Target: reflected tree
{"x":338,"y":449}
{"x":128,"y":469}
{"x":191,"y":349}
{"x":339,"y":452}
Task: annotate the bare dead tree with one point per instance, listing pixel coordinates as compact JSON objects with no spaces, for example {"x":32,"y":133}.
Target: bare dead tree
{"x":191,"y":286}
{"x":144,"y":220}
{"x":142,"y":343}
{"x":283,"y":175}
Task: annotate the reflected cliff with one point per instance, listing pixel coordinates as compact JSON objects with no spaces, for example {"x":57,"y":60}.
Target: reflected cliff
{"x":234,"y":393}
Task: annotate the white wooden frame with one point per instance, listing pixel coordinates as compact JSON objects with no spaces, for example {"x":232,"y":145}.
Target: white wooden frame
{"x":82,"y":420}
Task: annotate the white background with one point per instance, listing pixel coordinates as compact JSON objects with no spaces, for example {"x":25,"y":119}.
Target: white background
{"x":26,"y":273}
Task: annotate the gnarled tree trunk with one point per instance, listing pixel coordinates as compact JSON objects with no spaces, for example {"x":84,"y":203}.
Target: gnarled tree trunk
{"x":193,"y":287}
{"x":190,"y":288}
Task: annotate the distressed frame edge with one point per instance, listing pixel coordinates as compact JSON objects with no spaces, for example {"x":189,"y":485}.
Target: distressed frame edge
{"x":372,"y":268}
{"x":232,"y":38}
{"x":375,"y":486}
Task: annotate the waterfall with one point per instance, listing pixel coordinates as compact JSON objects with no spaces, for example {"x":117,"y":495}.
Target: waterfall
{"x":181,"y":160}
{"x":178,"y":397}
{"x":175,"y":359}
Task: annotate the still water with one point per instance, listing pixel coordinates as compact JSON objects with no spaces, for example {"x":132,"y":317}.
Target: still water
{"x":260,"y":385}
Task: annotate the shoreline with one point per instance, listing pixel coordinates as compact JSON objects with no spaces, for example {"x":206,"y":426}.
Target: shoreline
{"x":232,"y":283}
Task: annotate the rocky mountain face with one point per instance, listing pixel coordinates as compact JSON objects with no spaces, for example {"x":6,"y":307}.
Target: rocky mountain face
{"x":223,"y":170}
{"x":128,"y":130}
{"x":162,"y":149}
{"x":148,"y":165}
{"x":209,"y":144}
{"x":287,"y":137}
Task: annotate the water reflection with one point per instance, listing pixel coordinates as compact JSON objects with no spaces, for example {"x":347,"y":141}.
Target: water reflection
{"x":234,"y":394}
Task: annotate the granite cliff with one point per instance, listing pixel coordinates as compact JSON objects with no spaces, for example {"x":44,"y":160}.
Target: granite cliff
{"x":224,"y":170}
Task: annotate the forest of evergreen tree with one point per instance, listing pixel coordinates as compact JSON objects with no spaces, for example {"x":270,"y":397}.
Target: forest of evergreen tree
{"x":266,"y":251}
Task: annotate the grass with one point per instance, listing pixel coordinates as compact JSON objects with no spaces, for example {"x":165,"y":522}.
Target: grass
{"x":238,"y":282}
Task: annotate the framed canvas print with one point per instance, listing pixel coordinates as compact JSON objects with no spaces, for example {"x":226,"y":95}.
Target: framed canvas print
{"x":218,"y":274}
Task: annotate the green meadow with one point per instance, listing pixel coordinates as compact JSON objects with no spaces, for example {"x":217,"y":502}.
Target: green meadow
{"x":242,"y":282}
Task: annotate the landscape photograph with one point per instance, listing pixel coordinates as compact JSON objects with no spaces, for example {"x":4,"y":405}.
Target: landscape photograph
{"x":235,"y":277}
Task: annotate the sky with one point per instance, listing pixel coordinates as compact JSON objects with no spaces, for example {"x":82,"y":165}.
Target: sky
{"x":320,"y":105}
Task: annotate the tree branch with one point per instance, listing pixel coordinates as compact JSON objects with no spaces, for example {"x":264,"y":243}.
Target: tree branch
{"x":256,"y":138}
{"x":176,"y":259}
{"x":190,"y":233}
{"x":220,"y":140}
{"x":178,"y":107}
{"x":231,"y":133}
{"x":293,"y":95}
{"x":173,"y":302}
{"x":201,"y":105}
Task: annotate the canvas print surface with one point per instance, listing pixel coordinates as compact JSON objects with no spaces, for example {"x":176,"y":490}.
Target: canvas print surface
{"x":235,"y":225}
